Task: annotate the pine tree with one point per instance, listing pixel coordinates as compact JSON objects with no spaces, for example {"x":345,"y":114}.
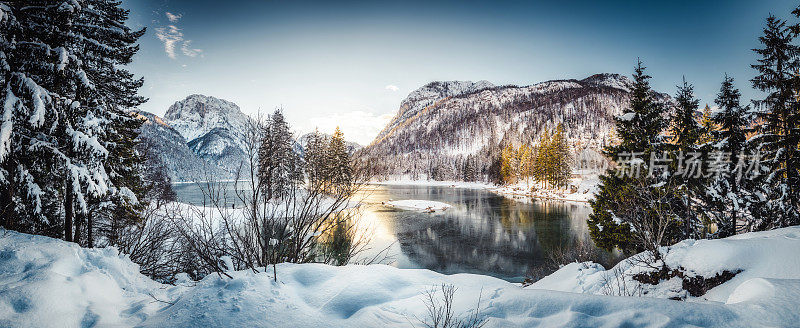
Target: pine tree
{"x":339,"y":169}
{"x":724,"y":194}
{"x":707,"y":126}
{"x":65,"y":96}
{"x":624,"y":200}
{"x":780,"y":134}
{"x":279,"y":168}
{"x":560,"y":158}
{"x":507,"y":164}
{"x":686,"y":132}
{"x":685,"y":129}
{"x":542,"y":166}
{"x":315,"y":152}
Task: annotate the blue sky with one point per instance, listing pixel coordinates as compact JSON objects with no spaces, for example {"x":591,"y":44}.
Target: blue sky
{"x":350,"y":64}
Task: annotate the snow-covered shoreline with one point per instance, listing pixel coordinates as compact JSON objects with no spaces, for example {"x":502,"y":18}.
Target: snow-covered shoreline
{"x":586,"y":186}
{"x":46,"y":282}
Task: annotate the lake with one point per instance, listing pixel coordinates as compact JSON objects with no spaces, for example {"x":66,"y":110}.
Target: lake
{"x":483,"y":232}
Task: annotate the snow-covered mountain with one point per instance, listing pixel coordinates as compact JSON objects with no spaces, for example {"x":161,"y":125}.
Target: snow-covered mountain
{"x":441,"y":125}
{"x":166,"y":148}
{"x":427,"y":95}
{"x":199,"y":137}
{"x":213,"y":128}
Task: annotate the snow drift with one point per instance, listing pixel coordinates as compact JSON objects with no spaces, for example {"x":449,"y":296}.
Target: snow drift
{"x":51,"y":283}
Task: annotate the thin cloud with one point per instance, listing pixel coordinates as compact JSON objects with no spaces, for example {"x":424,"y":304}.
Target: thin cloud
{"x":172,"y":36}
{"x":189,"y":51}
{"x":392,"y":88}
{"x":173,"y":18}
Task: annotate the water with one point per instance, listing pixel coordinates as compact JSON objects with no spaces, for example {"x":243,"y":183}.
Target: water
{"x":481,"y":233}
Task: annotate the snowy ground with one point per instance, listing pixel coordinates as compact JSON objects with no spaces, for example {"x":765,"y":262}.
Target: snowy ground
{"x":50,"y":283}
{"x":418,"y":205}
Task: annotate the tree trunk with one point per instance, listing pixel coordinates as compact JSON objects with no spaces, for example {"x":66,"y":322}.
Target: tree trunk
{"x":89,"y":233}
{"x":68,"y":214}
{"x":7,"y":204}
{"x":78,"y":226}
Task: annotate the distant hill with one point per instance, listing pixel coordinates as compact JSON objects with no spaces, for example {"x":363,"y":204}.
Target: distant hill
{"x":442,"y":125}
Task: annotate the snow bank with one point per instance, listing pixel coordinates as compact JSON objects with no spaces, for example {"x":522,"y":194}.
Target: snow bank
{"x":46,"y":282}
{"x":50,"y":283}
{"x":766,"y":259}
{"x":418,"y":205}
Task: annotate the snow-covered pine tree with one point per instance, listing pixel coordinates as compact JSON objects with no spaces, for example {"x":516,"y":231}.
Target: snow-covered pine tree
{"x":339,"y":170}
{"x":686,"y":132}
{"x":314,"y":156}
{"x":56,"y":90}
{"x":725,"y":198}
{"x":279,"y":166}
{"x":779,"y":136}
{"x":627,"y":200}
{"x":105,"y":60}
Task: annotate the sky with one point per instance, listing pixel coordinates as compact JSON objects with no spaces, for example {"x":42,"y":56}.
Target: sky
{"x":350,"y":64}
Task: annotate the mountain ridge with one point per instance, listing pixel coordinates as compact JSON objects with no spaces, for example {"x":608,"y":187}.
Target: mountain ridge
{"x":435,"y":137}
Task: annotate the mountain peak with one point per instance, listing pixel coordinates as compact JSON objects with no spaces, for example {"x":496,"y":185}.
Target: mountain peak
{"x":198,"y":105}
{"x":611,"y":80}
{"x":428,"y":94}
{"x":441,"y":89}
{"x":197,"y":114}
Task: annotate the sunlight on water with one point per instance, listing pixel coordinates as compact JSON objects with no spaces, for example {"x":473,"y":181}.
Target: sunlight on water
{"x":482,"y":232}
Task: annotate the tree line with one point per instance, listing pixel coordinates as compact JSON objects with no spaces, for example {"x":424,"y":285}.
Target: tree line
{"x":547,"y":162}
{"x":709,"y":175}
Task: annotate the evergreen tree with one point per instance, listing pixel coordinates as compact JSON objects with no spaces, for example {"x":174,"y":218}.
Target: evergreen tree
{"x":707,"y":126}
{"x":279,"y":168}
{"x":624,"y":200}
{"x":560,"y":158}
{"x":780,"y":134}
{"x":724,"y":194}
{"x":339,"y":169}
{"x":541,"y":166}
{"x":507,"y":164}
{"x":315,"y":153}
{"x":685,"y":129}
{"x":65,"y":123}
{"x":686,"y":132}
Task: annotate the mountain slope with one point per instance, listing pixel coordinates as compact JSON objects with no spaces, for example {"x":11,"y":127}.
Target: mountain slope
{"x":166,"y":148}
{"x":437,"y":129}
{"x":213,"y":128}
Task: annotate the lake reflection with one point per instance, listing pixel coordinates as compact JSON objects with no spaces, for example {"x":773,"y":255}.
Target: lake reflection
{"x":482,"y":232}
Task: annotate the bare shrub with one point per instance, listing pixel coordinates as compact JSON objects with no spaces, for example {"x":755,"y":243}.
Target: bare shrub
{"x":440,"y":312}
{"x":304,"y":224}
{"x":616,"y":284}
{"x":582,"y":250}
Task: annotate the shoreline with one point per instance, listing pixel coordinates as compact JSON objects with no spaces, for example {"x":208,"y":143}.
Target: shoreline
{"x":483,"y":186}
